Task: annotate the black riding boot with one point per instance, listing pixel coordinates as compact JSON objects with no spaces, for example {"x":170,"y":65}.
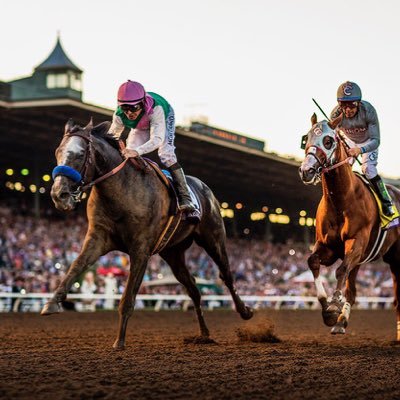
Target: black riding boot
{"x":185,"y":201}
{"x":387,"y":204}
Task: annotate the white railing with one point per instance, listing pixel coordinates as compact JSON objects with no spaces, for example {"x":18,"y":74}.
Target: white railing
{"x":89,"y":302}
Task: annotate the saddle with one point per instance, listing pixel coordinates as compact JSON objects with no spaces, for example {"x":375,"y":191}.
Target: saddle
{"x":386,"y":222}
{"x":175,"y":216}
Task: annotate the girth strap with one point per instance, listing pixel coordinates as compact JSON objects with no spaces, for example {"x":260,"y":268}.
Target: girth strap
{"x":380,"y":239}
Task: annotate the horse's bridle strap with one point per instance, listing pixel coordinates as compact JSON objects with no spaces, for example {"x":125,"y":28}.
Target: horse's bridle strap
{"x":107,"y":175}
{"x":346,"y":161}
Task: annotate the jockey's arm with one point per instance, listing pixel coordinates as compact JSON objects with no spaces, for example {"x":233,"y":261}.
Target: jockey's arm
{"x":117,"y":127}
{"x":157,"y":132}
{"x":374,"y":136}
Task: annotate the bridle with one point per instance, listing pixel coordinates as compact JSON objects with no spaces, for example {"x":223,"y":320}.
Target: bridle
{"x":79,"y":177}
{"x":326,"y":158}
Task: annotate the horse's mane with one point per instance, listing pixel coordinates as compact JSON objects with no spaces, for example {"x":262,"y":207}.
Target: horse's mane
{"x":101,"y":131}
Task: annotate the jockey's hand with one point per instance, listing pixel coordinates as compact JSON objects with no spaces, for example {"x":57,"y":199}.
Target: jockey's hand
{"x":354,"y":151}
{"x":128,"y":153}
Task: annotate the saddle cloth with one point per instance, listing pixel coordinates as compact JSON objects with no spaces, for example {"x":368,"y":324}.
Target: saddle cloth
{"x":386,"y":222}
{"x":175,"y":217}
{"x":193,"y":195}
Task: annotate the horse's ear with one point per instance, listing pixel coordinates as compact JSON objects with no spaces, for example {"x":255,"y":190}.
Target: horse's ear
{"x":68,"y":126}
{"x":89,"y":126}
{"x":336,"y":121}
{"x":314,"y":119}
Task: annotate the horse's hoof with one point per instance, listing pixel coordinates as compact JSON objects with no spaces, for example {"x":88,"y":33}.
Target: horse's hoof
{"x":330,"y":318}
{"x":50,"y":307}
{"x":247,"y":313}
{"x":118,"y":345}
{"x":338,"y":330}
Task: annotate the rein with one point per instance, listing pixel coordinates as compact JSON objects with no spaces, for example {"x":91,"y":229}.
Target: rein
{"x":79,"y":177}
{"x":330,"y":168}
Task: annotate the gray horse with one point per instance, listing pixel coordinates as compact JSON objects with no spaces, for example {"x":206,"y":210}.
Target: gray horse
{"x":128,"y":212}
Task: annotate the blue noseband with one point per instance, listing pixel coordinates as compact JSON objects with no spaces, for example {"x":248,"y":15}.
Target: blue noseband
{"x":69,"y":172}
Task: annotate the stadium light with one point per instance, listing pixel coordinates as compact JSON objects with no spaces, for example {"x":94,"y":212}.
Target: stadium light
{"x":310,"y":221}
{"x":257,"y":216}
{"x":303,"y":213}
{"x":9,"y":171}
{"x":279,"y":219}
{"x":278,"y":210}
{"x":224,"y":205}
{"x":46,"y":178}
{"x":227,"y":213}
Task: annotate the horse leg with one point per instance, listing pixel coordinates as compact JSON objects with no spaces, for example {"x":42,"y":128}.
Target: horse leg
{"x":322,"y":254}
{"x":127,"y":303}
{"x":176,"y":260}
{"x":214,"y":245}
{"x":392,"y":257}
{"x":350,"y":298}
{"x":95,"y":245}
{"x":346,"y":272}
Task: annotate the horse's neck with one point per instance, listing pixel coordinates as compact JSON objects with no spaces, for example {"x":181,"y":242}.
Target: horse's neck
{"x":338,"y":184}
{"x":107,"y":158}
{"x":128,"y":182}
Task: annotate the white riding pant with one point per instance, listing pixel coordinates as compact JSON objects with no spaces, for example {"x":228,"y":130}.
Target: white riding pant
{"x":369,"y":161}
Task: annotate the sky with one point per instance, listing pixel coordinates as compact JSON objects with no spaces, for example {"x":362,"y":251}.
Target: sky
{"x":250,"y":66}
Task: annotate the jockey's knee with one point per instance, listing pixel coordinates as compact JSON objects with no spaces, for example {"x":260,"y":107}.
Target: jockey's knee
{"x":369,"y":171}
{"x":168,"y":159}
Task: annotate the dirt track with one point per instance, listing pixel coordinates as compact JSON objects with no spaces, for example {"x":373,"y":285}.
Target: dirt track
{"x":69,"y":356}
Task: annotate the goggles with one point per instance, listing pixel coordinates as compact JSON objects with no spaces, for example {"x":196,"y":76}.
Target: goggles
{"x":132,"y":108}
{"x":348,"y":104}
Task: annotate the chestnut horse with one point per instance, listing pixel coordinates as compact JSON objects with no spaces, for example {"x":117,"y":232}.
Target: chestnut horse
{"x":347,"y":223}
{"x":128,"y":211}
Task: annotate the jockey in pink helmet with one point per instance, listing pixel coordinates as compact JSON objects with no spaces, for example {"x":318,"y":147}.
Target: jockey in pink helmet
{"x":152,"y":127}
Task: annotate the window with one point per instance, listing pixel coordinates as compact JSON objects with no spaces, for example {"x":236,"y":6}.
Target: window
{"x":57,"y":81}
{"x":76,"y":82}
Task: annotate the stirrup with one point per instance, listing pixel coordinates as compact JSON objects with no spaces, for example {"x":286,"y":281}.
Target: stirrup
{"x":388,"y":209}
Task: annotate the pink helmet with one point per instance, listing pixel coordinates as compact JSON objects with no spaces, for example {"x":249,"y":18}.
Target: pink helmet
{"x":131,"y":92}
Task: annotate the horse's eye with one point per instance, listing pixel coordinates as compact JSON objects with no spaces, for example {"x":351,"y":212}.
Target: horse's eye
{"x":328,"y":142}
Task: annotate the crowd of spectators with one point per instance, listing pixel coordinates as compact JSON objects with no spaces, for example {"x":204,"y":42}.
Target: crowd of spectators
{"x":36,"y":253}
